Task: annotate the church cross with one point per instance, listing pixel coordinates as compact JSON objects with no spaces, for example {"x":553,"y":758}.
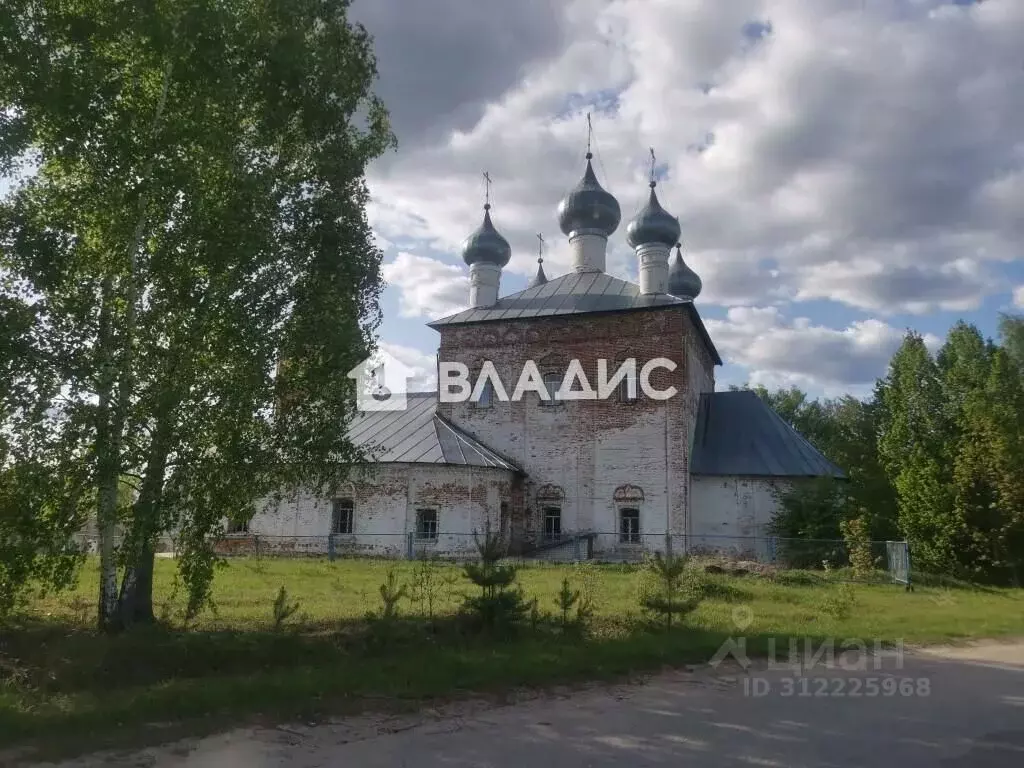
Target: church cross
{"x":590,"y":133}
{"x":487,"y":188}
{"x":653,"y":166}
{"x":540,"y":248}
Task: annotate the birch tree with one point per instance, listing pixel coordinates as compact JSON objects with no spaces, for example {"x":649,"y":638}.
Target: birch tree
{"x":192,"y":215}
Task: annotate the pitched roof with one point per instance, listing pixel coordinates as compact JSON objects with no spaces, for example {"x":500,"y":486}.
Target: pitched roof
{"x":576,"y":293}
{"x":419,"y":435}
{"x":739,"y":434}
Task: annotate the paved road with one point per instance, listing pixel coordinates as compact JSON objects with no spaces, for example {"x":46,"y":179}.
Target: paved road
{"x":952,"y":713}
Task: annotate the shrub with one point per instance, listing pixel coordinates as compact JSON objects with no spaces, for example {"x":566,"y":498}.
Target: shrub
{"x":427,"y":581}
{"x":858,"y":544}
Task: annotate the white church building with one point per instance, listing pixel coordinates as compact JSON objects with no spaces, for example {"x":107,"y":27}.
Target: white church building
{"x":559,"y":476}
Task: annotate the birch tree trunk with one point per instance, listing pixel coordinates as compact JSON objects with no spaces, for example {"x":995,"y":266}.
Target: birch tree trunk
{"x":114,"y":402}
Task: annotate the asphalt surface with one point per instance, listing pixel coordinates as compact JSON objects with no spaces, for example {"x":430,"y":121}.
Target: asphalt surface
{"x":930,"y":711}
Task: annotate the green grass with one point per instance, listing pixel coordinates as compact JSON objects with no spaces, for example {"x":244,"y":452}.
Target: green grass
{"x":59,"y":677}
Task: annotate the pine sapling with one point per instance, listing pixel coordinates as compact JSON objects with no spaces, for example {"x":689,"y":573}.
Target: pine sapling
{"x":668,"y":598}
{"x":566,"y":599}
{"x":499,"y":605}
{"x":283,"y":610}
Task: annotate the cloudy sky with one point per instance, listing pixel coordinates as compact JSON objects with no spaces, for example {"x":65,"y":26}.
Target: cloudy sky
{"x":842,"y":169}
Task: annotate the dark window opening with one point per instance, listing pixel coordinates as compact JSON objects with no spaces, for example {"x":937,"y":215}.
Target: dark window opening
{"x":426,"y":524}
{"x":238,"y":526}
{"x":552,"y":522}
{"x":622,"y":391}
{"x":552,"y":383}
{"x":629,"y":526}
{"x":342,"y":516}
{"x":486,"y":395}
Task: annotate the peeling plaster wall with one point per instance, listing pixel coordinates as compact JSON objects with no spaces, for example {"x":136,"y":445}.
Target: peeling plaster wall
{"x":386,"y":497}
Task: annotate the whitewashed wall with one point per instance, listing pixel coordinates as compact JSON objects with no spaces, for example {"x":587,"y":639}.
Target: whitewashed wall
{"x":732,"y":513}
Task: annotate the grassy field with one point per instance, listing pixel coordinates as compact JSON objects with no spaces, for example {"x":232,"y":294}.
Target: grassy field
{"x":230,"y":665}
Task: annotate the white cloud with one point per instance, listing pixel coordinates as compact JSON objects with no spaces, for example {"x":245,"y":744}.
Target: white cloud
{"x":422,"y":367}
{"x":779,"y":352}
{"x":867,"y":153}
{"x":1018,"y":297}
{"x":427,"y":287}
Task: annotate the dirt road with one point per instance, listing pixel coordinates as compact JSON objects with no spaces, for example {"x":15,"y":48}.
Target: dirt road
{"x":947,"y":707}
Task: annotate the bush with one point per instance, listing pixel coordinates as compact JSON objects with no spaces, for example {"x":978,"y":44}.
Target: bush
{"x":427,"y":582}
{"x":858,"y":544}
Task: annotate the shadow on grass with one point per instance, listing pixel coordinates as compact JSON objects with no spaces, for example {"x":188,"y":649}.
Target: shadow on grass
{"x":71,"y":691}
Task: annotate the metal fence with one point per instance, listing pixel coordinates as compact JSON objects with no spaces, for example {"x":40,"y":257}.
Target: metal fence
{"x":882,"y":560}
{"x":876,"y":560}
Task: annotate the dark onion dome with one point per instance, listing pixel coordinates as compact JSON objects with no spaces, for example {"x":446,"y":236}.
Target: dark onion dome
{"x":540,"y":278}
{"x":682,"y":281}
{"x":589,"y":207}
{"x":486,"y":245}
{"x":653,"y":224}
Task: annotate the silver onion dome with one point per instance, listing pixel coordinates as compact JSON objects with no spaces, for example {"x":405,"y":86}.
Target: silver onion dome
{"x":682,"y":281}
{"x":653,"y":224}
{"x":486,"y":244}
{"x":589,"y":207}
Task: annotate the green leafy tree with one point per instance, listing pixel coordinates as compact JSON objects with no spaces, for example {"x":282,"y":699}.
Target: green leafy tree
{"x":190,"y":214}
{"x":1011,"y":338}
{"x":913,"y":450}
{"x":807,"y":522}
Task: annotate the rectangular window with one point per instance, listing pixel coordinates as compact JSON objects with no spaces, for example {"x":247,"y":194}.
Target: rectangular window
{"x":623,"y":393}
{"x":238,"y":526}
{"x":629,"y":526}
{"x":426,"y":524}
{"x":342,"y":516}
{"x":552,"y":523}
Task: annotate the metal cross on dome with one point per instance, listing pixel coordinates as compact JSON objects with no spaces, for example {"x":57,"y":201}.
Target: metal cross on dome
{"x":487,"y":188}
{"x":540,"y":248}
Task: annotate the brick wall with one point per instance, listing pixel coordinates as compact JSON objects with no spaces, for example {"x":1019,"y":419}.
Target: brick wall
{"x":588,"y":449}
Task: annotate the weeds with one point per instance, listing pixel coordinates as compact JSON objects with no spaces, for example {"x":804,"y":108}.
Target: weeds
{"x":839,"y":602}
